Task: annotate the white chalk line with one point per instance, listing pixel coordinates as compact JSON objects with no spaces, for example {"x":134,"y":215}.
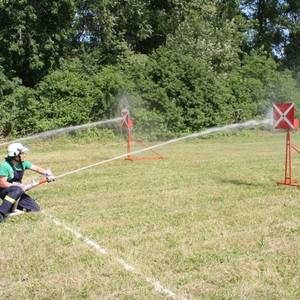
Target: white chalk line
{"x":158,"y":287}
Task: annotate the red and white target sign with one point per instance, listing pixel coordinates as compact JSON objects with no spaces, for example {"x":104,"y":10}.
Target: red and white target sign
{"x":283,"y":115}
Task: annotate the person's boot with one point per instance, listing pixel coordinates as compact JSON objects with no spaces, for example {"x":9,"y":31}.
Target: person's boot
{"x":2,"y":218}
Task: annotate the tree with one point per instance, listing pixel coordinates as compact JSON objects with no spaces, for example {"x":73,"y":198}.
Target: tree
{"x":266,"y":26}
{"x":291,"y":20}
{"x":276,"y":28}
{"x":142,"y":25}
{"x":205,"y":36}
{"x":33,"y":36}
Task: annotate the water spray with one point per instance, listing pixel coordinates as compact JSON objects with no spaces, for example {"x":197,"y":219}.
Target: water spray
{"x":69,"y":129}
{"x":248,"y":124}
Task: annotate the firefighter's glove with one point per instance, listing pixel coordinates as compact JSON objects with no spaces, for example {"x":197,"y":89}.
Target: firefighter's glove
{"x":49,"y":176}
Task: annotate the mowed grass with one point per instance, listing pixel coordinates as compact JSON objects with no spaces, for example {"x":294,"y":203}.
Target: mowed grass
{"x":208,"y":222}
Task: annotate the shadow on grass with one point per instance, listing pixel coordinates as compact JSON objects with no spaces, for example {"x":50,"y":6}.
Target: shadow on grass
{"x":240,"y":182}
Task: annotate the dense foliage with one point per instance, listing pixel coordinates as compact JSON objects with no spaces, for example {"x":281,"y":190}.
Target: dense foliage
{"x":180,"y":65}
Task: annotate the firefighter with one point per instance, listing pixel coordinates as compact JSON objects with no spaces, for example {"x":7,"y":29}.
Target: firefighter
{"x":12,"y":191}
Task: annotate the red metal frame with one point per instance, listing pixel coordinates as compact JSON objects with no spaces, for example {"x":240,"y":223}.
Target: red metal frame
{"x":288,"y":163}
{"x":127,"y":123}
{"x":283,"y":115}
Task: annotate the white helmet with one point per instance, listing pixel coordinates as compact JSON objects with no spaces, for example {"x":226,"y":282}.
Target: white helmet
{"x":16,"y":149}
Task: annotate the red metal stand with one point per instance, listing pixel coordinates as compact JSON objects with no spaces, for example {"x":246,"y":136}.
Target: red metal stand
{"x":284,"y":119}
{"x":127,"y":123}
{"x":288,"y":162}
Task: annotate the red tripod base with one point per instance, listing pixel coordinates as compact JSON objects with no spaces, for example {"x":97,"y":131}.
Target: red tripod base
{"x":133,"y":158}
{"x":290,"y":183}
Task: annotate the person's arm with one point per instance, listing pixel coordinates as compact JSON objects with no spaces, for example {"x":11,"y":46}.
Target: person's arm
{"x":39,"y":170}
{"x":48,"y":173}
{"x":4,"y":183}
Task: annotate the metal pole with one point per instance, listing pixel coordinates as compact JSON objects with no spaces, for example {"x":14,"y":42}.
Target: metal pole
{"x":288,"y":160}
{"x":129,"y":139}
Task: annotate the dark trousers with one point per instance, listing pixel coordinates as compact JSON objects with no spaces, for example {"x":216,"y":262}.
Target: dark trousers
{"x":11,"y":195}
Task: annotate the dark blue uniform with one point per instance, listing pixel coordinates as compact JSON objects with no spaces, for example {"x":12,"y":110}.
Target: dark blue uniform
{"x":14,"y":193}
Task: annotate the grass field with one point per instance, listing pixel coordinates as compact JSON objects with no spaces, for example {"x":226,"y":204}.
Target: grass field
{"x":208,"y":222}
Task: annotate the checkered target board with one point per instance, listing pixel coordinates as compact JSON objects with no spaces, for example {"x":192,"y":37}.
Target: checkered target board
{"x":284,"y":115}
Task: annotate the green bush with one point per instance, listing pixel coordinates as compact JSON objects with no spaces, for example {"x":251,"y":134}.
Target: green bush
{"x":65,"y":99}
{"x":184,"y":91}
{"x":21,"y":112}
